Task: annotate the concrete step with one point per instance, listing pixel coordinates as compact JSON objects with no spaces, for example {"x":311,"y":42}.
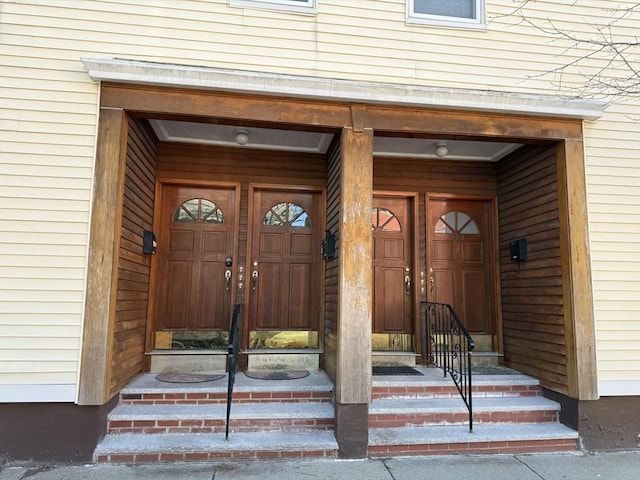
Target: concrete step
{"x":132,"y":448}
{"x":162,"y":419}
{"x":145,"y":389}
{"x":389,"y":413}
{"x":486,"y":438}
{"x":433,"y":384}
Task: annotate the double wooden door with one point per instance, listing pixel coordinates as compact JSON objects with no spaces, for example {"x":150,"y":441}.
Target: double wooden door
{"x":276,"y":273}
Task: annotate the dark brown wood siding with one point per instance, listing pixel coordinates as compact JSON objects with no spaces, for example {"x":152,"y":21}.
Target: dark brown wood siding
{"x":434,"y":176}
{"x":134,"y":267}
{"x":241,"y":165}
{"x":331,"y":266}
{"x":532,"y":300}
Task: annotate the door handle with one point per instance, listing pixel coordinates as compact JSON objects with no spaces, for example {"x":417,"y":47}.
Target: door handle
{"x":254,"y":279}
{"x":227,"y":279}
{"x":407,"y":282}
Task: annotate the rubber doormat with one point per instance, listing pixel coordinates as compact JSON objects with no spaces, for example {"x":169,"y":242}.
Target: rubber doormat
{"x":176,"y":377}
{"x":395,"y":370}
{"x":277,"y":374}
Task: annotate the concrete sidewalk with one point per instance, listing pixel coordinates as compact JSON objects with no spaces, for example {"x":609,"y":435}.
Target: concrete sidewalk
{"x":572,"y":466}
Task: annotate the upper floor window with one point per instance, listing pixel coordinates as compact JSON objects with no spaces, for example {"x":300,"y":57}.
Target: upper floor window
{"x":302,"y":6}
{"x":452,"y":13}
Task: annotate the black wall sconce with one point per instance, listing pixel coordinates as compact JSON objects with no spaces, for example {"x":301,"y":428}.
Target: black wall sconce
{"x":148,"y":243}
{"x":518,"y":250}
{"x":328,"y":246}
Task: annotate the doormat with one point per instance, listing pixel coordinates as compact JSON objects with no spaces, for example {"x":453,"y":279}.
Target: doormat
{"x":277,"y":374}
{"x":395,"y":370}
{"x":176,"y":377}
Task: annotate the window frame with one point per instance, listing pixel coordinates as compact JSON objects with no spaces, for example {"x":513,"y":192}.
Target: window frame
{"x":443,"y":21}
{"x":308,"y":6}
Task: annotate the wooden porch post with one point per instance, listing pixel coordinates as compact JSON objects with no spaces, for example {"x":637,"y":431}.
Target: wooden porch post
{"x":99,"y":312}
{"x":353,"y":376}
{"x":576,"y":272}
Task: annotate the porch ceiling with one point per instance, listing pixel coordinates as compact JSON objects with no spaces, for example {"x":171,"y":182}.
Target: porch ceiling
{"x":318,"y":142}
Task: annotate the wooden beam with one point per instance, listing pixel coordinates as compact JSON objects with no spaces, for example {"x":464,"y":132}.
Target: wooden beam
{"x":246,"y":109}
{"x":464,"y":124}
{"x":99,"y":314}
{"x":576,"y":272}
{"x":355,"y":284}
{"x":140,"y":99}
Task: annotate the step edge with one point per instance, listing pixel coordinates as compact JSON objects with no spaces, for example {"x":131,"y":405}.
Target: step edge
{"x":415,"y":435}
{"x":131,"y":443}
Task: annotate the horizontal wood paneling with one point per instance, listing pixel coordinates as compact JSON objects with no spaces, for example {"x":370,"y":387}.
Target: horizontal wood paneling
{"x":127,"y":355}
{"x":331,"y":289}
{"x":203,"y":163}
{"x":475,"y":178}
{"x":532,"y":294}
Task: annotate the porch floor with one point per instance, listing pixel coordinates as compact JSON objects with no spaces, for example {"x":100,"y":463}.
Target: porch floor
{"x":147,"y":383}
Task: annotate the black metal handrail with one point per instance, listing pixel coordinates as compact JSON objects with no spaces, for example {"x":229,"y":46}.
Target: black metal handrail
{"x":234,"y":342}
{"x":451,"y":347}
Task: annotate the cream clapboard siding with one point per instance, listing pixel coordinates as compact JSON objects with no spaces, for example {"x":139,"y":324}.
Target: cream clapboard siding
{"x":48,"y":123}
{"x":613,"y":187}
{"x":47,"y":135}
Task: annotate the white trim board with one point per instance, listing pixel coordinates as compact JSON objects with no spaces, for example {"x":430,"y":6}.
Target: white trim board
{"x":171,"y":75}
{"x":38,"y":393}
{"x":619,"y":388}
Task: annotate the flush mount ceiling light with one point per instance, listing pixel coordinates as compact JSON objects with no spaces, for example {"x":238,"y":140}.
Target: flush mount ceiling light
{"x":442,"y":149}
{"x":242,"y":137}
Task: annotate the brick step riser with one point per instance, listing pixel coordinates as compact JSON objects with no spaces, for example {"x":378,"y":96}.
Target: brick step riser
{"x":218,"y":426}
{"x":213,"y":455}
{"x":482,"y":391}
{"x":217,"y":398}
{"x":421,"y":419}
{"x":498,"y":447}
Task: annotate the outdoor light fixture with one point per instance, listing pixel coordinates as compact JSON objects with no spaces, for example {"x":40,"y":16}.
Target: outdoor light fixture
{"x":442,"y":149}
{"x":242,"y":137}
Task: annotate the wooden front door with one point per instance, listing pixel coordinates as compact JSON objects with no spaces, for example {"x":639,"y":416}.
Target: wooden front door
{"x":459,"y":260}
{"x":284,"y":265}
{"x":196,"y":236}
{"x":392,"y":260}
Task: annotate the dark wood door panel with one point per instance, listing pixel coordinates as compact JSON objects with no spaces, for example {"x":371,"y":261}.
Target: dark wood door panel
{"x":285,"y":255}
{"x":268,"y":311}
{"x":392,"y":256}
{"x":178,"y":282}
{"x":459,"y":266}
{"x":195,"y":237}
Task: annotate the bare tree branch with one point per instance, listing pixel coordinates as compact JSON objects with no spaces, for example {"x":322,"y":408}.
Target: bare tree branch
{"x":607,"y":60}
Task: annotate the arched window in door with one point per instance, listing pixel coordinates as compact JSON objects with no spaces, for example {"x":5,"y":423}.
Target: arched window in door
{"x":287,"y":213}
{"x":385,"y":220}
{"x":456,"y":222}
{"x":198,"y":210}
